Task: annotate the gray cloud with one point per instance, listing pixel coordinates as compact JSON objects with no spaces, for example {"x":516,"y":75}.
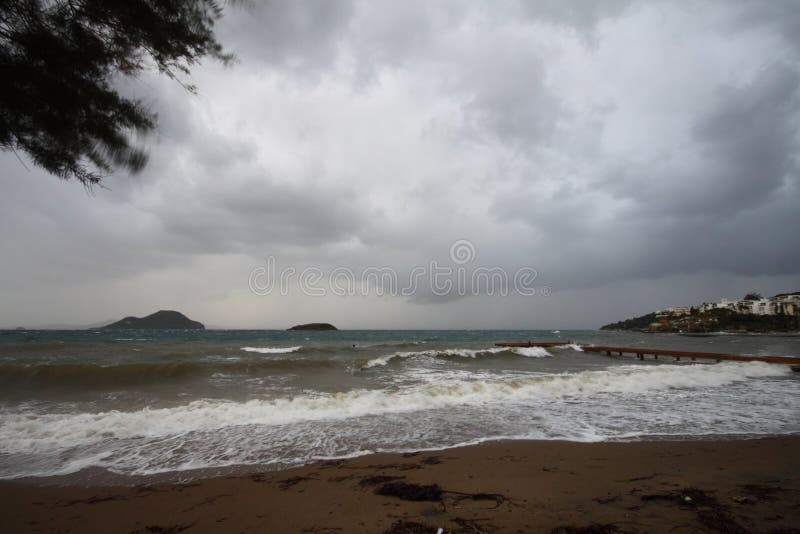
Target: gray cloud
{"x":522,"y":112}
{"x":256,"y":215}
{"x":740,"y":149}
{"x":723,"y":201}
{"x":302,"y":37}
{"x":779,"y":17}
{"x":583,"y":17}
{"x":752,"y":134}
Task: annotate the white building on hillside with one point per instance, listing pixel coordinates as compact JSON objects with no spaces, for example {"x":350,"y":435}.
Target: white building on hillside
{"x":786,"y":304}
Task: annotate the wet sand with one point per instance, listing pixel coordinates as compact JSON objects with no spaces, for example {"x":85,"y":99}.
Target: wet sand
{"x":511,"y":486}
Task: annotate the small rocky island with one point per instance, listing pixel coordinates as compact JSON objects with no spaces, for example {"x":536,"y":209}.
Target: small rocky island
{"x":313,"y":326}
{"x":160,"y":320}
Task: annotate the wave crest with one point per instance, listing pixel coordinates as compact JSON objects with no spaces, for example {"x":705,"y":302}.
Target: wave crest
{"x":272,"y":350}
{"x":530,"y":352}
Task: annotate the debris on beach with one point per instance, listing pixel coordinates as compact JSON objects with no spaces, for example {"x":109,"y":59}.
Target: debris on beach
{"x":410,"y":492}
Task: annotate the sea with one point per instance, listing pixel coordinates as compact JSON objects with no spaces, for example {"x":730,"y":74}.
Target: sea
{"x":178,"y":403}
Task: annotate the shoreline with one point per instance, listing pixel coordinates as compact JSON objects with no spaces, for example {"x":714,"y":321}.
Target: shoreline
{"x":495,"y":486}
{"x":101,"y":477}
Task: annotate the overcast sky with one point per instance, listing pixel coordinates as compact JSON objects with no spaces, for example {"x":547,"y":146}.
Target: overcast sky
{"x":636,"y":155}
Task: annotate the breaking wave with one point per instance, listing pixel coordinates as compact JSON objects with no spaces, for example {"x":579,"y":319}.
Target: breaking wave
{"x":24,"y":431}
{"x":272,"y":350}
{"x":530,"y":352}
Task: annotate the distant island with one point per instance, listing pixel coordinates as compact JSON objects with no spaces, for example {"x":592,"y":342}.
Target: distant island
{"x":160,"y":320}
{"x":313,"y":326}
{"x":753,"y":313}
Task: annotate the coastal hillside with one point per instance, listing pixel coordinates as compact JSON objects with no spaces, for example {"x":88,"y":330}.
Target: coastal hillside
{"x":160,"y":320}
{"x":712,"y":321}
{"x":753,"y":313}
{"x":635,"y":323}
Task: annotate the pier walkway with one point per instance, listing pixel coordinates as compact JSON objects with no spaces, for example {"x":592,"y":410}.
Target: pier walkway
{"x":641,"y":352}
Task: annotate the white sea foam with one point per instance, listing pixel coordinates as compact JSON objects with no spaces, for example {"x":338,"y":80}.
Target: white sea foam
{"x":570,"y":346}
{"x":272,"y":350}
{"x":383,"y":360}
{"x":25,"y":431}
{"x":530,"y":352}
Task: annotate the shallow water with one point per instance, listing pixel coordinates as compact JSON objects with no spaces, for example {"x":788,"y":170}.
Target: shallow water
{"x":148,"y":402}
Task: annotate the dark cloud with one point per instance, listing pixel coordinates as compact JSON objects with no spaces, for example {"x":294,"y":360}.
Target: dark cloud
{"x":256,"y":215}
{"x":740,"y":149}
{"x":724,"y":201}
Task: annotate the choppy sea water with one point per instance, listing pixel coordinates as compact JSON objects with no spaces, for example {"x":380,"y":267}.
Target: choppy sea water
{"x":146,"y":402}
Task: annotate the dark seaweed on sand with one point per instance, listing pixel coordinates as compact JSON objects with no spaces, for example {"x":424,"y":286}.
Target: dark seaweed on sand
{"x":409,"y":527}
{"x":710,"y":513}
{"x":588,"y":529}
{"x":410,"y":492}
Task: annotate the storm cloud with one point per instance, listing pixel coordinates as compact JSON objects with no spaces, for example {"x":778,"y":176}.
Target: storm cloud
{"x":634,"y":154}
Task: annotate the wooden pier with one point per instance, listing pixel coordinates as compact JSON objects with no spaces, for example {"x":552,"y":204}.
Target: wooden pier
{"x":533,"y":344}
{"x":641,"y":352}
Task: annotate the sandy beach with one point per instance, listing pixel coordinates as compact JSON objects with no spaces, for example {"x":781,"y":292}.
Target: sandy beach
{"x":509,"y":486}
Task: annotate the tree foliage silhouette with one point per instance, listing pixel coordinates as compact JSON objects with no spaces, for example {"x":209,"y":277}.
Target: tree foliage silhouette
{"x":58,"y":60}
